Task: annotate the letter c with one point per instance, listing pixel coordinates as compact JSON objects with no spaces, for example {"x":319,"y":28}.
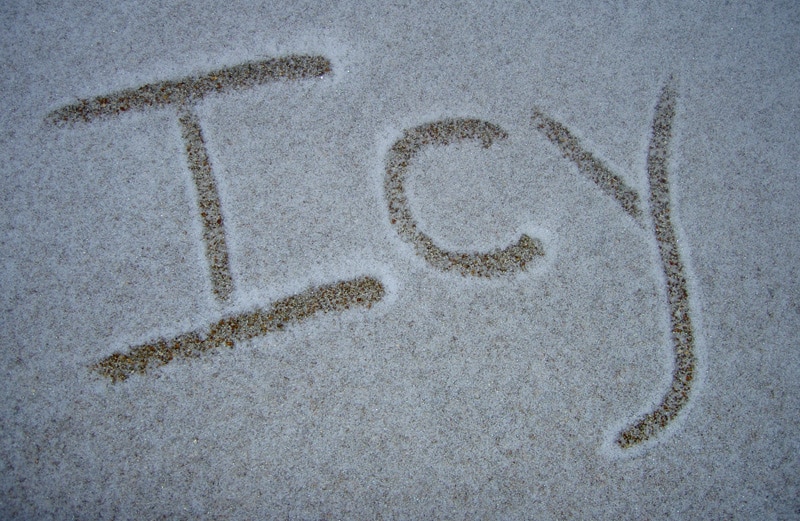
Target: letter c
{"x":444,"y":132}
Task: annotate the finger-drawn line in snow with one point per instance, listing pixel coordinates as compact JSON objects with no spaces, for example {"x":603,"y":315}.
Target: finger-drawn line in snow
{"x":360,"y":292}
{"x":516,"y":257}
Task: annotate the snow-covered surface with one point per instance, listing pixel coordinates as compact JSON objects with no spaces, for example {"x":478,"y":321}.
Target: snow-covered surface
{"x":453,"y":396}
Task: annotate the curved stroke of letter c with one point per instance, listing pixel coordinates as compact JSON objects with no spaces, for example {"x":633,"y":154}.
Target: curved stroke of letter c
{"x":445,"y":132}
{"x":515,"y":257}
